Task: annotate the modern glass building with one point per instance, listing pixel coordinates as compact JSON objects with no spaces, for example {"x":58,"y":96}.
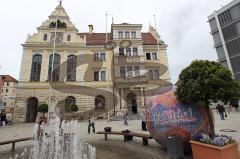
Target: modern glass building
{"x":225,"y":29}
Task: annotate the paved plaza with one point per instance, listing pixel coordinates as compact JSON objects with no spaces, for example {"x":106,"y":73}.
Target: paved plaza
{"x":114,"y":148}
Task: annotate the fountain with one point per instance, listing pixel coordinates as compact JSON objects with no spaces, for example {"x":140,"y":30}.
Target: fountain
{"x":57,"y":140}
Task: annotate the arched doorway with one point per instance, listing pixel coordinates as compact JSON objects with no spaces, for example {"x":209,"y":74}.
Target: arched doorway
{"x":132,"y":103}
{"x":32,"y":105}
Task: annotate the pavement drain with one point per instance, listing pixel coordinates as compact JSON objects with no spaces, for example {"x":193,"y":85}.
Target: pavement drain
{"x":228,"y":130}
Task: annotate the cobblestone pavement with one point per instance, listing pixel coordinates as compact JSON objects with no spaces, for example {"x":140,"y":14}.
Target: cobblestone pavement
{"x":114,"y":148}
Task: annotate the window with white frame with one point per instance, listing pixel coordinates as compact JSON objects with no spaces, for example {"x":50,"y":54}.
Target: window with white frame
{"x":129,"y":51}
{"x":127,"y":35}
{"x":133,"y":33}
{"x":135,"y":51}
{"x":151,"y":56}
{"x":132,"y":71}
{"x":99,"y":75}
{"x":153,"y":74}
{"x":120,"y":35}
{"x":122,"y":72}
{"x":99,"y":56}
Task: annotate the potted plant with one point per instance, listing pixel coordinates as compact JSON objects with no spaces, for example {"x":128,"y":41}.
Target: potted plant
{"x":217,"y":147}
{"x":73,"y":108}
{"x":43,"y":108}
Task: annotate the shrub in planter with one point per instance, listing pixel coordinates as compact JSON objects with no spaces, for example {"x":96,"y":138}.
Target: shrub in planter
{"x":216,"y":147}
{"x":73,"y":108}
{"x":43,"y":108}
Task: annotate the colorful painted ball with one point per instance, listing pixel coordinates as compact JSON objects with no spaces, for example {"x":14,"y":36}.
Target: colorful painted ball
{"x":166,"y":116}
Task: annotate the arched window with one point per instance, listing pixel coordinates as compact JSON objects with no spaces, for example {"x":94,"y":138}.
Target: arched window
{"x":69,"y":101}
{"x":99,"y":102}
{"x":71,"y":68}
{"x":45,"y":37}
{"x":36,"y":68}
{"x":69,"y":38}
{"x":56,"y":67}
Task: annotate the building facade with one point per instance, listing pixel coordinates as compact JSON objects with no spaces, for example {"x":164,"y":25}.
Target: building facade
{"x":100,"y":72}
{"x":225,"y":29}
{"x":8,"y":86}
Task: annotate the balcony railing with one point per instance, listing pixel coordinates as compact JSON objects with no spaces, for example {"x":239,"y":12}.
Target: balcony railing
{"x":131,"y":79}
{"x":127,"y":59}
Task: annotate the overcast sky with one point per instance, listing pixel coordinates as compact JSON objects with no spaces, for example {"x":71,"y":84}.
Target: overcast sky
{"x":182,"y":24}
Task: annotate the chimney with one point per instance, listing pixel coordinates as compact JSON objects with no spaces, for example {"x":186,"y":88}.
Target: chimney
{"x":90,"y":27}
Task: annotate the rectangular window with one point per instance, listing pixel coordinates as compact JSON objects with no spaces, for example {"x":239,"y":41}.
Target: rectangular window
{"x":6,"y":90}
{"x":148,"y":56}
{"x":127,"y":35}
{"x":136,"y":71}
{"x":154,"y":56}
{"x":5,"y":104}
{"x":156,"y":74}
{"x":135,"y":51}
{"x":150,"y":74}
{"x":133,"y":35}
{"x":96,"y":56}
{"x":129,"y":51}
{"x":7,"y":84}
{"x":121,"y":51}
{"x":120,"y":35}
{"x":96,"y":76}
{"x":129,"y":71}
{"x":103,"y":75}
{"x":102,"y":57}
{"x":122,"y":72}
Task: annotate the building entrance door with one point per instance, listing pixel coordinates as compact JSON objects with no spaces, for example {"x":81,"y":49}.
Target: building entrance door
{"x":31,"y":114}
{"x":132,"y":103}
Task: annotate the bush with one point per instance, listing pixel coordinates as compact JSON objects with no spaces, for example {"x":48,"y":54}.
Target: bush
{"x":43,"y":108}
{"x":73,"y":108}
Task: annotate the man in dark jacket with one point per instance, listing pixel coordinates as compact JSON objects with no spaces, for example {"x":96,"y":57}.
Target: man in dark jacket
{"x":220,"y":109}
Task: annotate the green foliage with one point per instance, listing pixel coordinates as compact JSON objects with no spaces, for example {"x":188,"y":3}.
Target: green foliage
{"x":43,"y":108}
{"x":207,"y":81}
{"x":73,"y":108}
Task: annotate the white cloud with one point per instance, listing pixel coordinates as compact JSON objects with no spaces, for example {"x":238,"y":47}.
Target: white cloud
{"x":182,"y":24}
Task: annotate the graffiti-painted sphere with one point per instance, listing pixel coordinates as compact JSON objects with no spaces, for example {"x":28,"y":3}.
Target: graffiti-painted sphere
{"x":166,"y":116}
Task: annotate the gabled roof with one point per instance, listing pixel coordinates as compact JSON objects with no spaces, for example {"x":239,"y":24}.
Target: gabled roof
{"x":100,"y":38}
{"x":7,"y":78}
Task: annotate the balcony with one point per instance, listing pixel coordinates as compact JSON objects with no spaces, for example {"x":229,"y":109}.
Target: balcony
{"x":121,"y":59}
{"x":132,"y":80}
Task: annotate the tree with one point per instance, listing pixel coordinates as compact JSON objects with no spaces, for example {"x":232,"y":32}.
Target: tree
{"x":43,"y":108}
{"x":207,"y":81}
{"x":73,"y":108}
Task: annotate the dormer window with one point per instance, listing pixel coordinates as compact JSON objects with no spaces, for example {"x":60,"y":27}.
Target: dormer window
{"x":69,"y":38}
{"x":59,"y":24}
{"x":45,"y":37}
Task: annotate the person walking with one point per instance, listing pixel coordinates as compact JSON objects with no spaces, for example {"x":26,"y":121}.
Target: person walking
{"x":220,"y":110}
{"x":91,"y":123}
{"x":143,"y":118}
{"x":125,"y":116}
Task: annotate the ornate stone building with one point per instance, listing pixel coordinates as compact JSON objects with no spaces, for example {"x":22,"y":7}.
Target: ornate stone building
{"x":100,"y":72}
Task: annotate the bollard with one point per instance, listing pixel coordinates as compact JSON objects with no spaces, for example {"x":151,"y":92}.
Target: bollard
{"x":175,"y":147}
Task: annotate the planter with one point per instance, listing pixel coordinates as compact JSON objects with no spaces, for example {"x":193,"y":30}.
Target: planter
{"x":206,"y":151}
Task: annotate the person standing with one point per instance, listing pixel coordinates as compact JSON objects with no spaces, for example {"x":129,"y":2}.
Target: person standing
{"x":91,"y":123}
{"x":220,"y":109}
{"x":143,"y":118}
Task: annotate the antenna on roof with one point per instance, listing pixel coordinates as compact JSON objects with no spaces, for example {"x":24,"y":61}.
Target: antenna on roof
{"x":112,"y":20}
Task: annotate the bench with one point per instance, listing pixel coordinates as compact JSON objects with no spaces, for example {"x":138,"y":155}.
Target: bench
{"x":128,"y":136}
{"x":13,"y":141}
